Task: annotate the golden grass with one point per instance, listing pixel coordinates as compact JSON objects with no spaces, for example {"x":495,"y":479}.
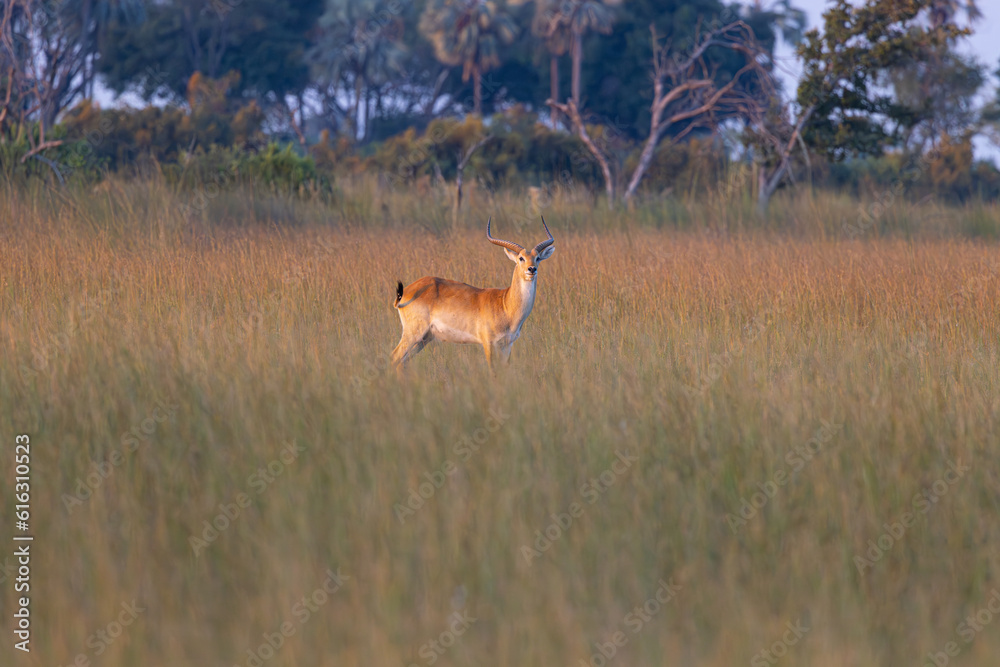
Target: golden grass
{"x":707,"y":358}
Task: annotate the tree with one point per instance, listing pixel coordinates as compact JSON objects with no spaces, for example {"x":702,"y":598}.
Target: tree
{"x":943,"y":12}
{"x":790,"y":21}
{"x":468,"y":33}
{"x":40,"y":67}
{"x":991,"y":112}
{"x":577,"y":18}
{"x":265,"y":41}
{"x":616,"y":85}
{"x":359,"y":47}
{"x":939,"y":93}
{"x":547,"y":25}
{"x":841,"y":111}
{"x":688,"y":94}
{"x":937,"y":86}
{"x":88,"y":22}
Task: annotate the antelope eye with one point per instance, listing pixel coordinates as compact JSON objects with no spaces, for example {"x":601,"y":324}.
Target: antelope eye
{"x":520,"y":259}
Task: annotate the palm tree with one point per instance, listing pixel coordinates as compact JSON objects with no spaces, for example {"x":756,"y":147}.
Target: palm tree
{"x":549,"y":26}
{"x":468,"y":33}
{"x":347,"y":50}
{"x":577,"y":18}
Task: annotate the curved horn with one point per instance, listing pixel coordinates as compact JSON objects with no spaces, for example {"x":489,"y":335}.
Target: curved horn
{"x":510,"y":245}
{"x":547,"y":242}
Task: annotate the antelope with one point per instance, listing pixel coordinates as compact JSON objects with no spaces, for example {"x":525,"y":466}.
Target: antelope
{"x":453,"y":312}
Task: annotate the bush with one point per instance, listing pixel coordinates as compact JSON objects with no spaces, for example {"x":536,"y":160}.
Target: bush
{"x":275,"y":169}
{"x":521,"y":151}
{"x":693,"y":166}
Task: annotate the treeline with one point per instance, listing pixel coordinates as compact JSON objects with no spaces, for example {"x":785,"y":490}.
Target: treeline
{"x":197,"y":144}
{"x":644,"y":97}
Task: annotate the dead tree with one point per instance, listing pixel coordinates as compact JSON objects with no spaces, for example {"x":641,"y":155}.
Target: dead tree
{"x":463,"y":160}
{"x":570,"y":110}
{"x":776,"y":136}
{"x":687,"y":90}
{"x":42,"y":68}
{"x":688,"y":94}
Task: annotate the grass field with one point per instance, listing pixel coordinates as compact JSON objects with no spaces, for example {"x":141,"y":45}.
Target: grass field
{"x":767,"y":429}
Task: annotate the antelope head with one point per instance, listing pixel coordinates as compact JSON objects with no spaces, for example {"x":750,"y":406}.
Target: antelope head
{"x":525,"y":261}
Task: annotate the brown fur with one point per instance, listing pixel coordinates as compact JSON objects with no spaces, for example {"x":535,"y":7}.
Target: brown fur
{"x":438,"y":309}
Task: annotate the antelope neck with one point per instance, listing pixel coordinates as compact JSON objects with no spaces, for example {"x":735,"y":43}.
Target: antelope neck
{"x":520,"y":297}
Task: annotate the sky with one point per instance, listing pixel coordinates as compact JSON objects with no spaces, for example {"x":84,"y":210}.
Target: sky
{"x":984,"y":44}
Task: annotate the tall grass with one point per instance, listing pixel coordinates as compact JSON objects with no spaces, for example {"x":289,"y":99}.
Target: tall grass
{"x":676,"y":334}
{"x":121,"y":208}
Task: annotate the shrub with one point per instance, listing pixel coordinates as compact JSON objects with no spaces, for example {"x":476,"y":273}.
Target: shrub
{"x":275,"y":169}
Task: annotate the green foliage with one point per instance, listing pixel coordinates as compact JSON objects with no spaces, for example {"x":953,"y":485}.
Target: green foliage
{"x":938,"y":93}
{"x":879,"y":75}
{"x":264,"y":40}
{"x":842,"y":65}
{"x":67,"y":161}
{"x":121,"y":138}
{"x":691,"y":167}
{"x":359,"y":47}
{"x":947,"y":172}
{"x":950,"y":167}
{"x":616,"y":85}
{"x":275,"y":169}
{"x":468,"y":33}
{"x":521,"y":151}
{"x":213,"y":142}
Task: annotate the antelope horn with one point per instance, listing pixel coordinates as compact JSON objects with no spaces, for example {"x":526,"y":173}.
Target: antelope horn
{"x":510,"y":245}
{"x":547,"y":242}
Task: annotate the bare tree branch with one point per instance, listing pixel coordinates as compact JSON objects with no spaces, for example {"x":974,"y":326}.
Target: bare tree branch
{"x":784,"y":147}
{"x":39,"y":148}
{"x":462,"y":162}
{"x":686,"y":90}
{"x":570,"y":111}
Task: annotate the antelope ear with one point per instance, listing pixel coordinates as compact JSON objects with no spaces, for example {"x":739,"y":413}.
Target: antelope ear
{"x":545,"y":254}
{"x":511,"y":255}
